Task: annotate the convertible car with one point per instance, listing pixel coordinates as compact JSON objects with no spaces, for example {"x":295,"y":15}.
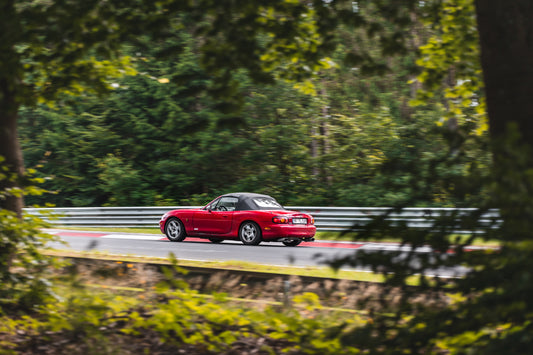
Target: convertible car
{"x":251,"y":218}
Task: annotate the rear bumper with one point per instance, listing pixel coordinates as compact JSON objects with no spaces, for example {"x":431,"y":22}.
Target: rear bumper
{"x":275,"y":232}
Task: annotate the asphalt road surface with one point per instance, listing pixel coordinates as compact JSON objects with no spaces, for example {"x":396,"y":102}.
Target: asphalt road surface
{"x":306,"y":254}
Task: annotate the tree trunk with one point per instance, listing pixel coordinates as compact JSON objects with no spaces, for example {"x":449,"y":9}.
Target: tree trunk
{"x":314,"y":147}
{"x":324,"y":133}
{"x":11,"y":152}
{"x":506,"y":37}
{"x":10,"y":91}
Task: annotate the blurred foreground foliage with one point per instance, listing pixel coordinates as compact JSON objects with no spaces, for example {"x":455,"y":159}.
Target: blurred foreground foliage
{"x":491,"y":304}
{"x":23,"y":283}
{"x":171,"y":318}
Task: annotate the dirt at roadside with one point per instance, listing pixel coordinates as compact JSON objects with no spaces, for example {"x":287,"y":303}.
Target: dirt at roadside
{"x":339,"y":293}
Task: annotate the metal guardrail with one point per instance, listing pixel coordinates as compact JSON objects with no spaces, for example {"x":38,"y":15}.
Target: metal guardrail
{"x":326,"y":218}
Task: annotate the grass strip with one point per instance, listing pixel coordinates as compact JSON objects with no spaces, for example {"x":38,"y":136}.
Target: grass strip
{"x":228,"y":265}
{"x":235,"y":265}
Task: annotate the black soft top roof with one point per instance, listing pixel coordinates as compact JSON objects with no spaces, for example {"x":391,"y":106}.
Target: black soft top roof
{"x":246,"y":201}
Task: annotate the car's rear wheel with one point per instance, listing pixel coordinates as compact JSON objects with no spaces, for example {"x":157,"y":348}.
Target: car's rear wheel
{"x":216,"y":240}
{"x":174,"y":230}
{"x":250,"y":233}
{"x":292,"y":243}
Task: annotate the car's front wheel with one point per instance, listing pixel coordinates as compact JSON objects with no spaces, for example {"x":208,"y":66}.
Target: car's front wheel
{"x":174,"y":230}
{"x":250,"y":233}
{"x":292,"y":243}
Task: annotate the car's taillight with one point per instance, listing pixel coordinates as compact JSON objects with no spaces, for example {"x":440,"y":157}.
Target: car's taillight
{"x":280,"y":220}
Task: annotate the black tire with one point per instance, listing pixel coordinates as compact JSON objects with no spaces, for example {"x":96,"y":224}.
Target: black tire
{"x":250,"y":233}
{"x":174,"y":230}
{"x":216,"y":240}
{"x":292,"y":243}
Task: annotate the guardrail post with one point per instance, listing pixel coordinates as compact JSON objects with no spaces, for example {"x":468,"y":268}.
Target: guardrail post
{"x":287,"y":294}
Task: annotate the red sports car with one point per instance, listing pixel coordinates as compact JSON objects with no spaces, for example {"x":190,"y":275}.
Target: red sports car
{"x":252,"y":218}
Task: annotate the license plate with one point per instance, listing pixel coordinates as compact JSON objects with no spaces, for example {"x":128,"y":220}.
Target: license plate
{"x":299,"y":221}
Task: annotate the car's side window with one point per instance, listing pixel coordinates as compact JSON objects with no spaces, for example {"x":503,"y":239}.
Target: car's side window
{"x":226,"y":204}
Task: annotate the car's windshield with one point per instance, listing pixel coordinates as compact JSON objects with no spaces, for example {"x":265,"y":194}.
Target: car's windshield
{"x":264,"y":203}
{"x":211,"y":204}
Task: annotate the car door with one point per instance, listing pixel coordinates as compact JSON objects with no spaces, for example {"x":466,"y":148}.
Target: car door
{"x":216,"y":218}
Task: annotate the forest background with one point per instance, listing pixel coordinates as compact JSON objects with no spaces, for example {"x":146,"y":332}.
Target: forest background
{"x":352,"y":135}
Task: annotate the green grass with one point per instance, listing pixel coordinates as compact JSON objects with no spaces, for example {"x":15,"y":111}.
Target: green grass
{"x":229,"y":265}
